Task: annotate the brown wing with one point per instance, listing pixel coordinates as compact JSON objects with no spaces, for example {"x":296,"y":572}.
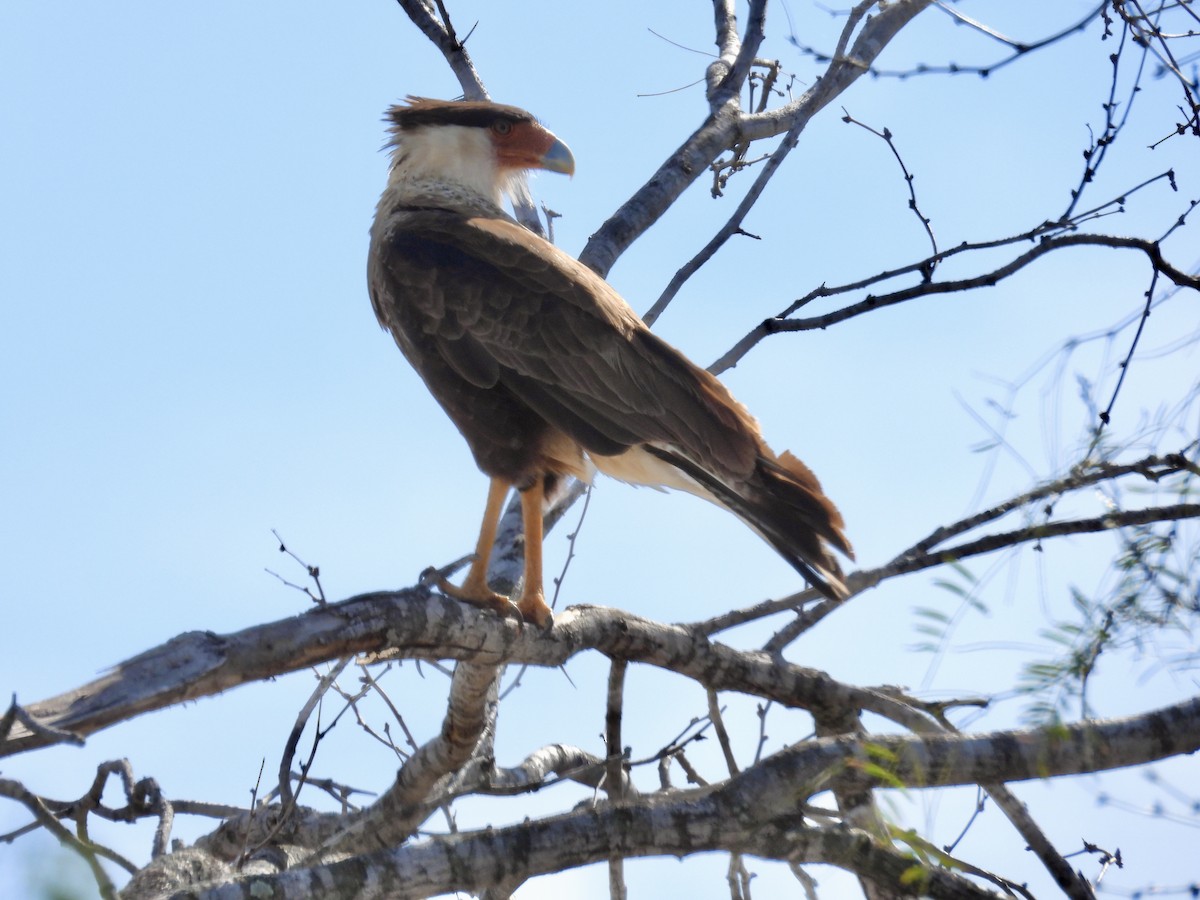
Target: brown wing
{"x":504,"y":308}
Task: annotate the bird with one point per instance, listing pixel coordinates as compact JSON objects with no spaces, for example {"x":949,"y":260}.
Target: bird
{"x":544,"y":368}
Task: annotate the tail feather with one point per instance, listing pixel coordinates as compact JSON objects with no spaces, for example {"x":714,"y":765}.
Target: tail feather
{"x":798,"y":520}
{"x":783,"y":502}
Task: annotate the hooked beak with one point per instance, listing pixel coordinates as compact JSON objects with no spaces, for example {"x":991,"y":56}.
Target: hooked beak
{"x":558,"y":159}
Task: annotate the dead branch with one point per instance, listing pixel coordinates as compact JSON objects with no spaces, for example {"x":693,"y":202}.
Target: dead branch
{"x":871,"y":303}
{"x":437,"y":27}
{"x":725,"y":127}
{"x":756,"y":811}
{"x":397,"y":813}
{"x":1017,"y":47}
{"x":414,"y":624}
{"x":901,"y":565}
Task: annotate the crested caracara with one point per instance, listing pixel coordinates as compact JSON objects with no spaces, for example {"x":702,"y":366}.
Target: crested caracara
{"x":545,"y":370}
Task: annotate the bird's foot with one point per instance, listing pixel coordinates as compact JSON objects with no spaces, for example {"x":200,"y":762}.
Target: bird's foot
{"x":435,"y":577}
{"x":531,"y":608}
{"x":534,"y":610}
{"x":472,"y":592}
{"x":481,"y":596}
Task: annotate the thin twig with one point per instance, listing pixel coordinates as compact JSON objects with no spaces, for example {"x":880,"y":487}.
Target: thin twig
{"x":903,"y":565}
{"x":871,"y":303}
{"x":314,"y":572}
{"x":732,"y":227}
{"x":89,"y":851}
{"x":1018,"y":48}
{"x":886,"y":135}
{"x":714,"y":715}
{"x":287,"y":799}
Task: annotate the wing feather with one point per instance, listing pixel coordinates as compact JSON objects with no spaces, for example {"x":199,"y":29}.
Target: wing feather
{"x":506,"y":308}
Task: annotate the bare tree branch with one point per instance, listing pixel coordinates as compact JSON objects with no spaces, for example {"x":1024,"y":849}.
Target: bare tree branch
{"x":756,"y":811}
{"x":766,"y":807}
{"x":89,"y":851}
{"x":417,"y":625}
{"x":1074,"y":885}
{"x":615,"y":782}
{"x":1017,"y":47}
{"x":517,"y":853}
{"x":871,"y":303}
{"x":436,"y":26}
{"x":727,"y":75}
{"x":396,"y":814}
{"x":725,"y":127}
{"x":732,"y":227}
{"x":902,"y":565}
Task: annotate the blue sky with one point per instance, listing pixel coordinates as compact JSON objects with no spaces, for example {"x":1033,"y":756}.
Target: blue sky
{"x":190,"y":360}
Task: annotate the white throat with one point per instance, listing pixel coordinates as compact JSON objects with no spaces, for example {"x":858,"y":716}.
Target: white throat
{"x":454,"y":154}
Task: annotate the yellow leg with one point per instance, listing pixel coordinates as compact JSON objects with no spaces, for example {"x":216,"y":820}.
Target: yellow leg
{"x":533,"y":600}
{"x":475,"y":589}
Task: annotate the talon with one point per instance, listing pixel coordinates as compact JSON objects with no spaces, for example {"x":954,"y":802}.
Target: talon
{"x":434,"y":576}
{"x":534,"y":610}
{"x":512,"y":612}
{"x":478,"y":594}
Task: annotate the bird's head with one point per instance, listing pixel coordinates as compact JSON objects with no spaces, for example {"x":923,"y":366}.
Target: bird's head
{"x":483,"y":147}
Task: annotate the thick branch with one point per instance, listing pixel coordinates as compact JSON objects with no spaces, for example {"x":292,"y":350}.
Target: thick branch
{"x":724,"y":128}
{"x":413,"y":624}
{"x":562,"y":760}
{"x":471,"y":862}
{"x":945,"y":760}
{"x":410,"y":799}
{"x":754,"y":812}
{"x":727,"y":75}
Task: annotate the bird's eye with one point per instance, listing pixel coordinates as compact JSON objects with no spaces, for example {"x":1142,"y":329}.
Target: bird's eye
{"x":502,"y":127}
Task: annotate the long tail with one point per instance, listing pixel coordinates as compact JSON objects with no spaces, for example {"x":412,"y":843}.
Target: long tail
{"x":799,"y":521}
{"x":782,"y":501}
